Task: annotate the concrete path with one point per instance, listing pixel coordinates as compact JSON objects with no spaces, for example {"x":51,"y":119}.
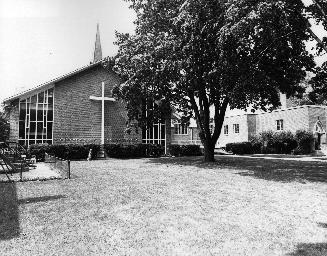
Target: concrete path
{"x":41,"y":172}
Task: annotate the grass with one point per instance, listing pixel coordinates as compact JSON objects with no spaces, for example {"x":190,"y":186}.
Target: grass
{"x":170,"y":206}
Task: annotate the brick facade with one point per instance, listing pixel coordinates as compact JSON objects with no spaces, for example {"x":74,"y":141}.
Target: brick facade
{"x":14,"y":120}
{"x":78,"y":119}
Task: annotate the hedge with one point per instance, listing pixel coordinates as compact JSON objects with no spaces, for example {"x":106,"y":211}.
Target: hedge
{"x":134,"y":150}
{"x":185,"y":150}
{"x":78,"y":152}
{"x":68,"y":151}
{"x":269,"y":142}
{"x":240,"y":148}
{"x":305,"y":141}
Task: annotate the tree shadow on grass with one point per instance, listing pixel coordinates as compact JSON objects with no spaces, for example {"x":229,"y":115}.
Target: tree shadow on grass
{"x":269,"y":169}
{"x":9,"y":211}
{"x":313,"y":249}
{"x":9,"y":214}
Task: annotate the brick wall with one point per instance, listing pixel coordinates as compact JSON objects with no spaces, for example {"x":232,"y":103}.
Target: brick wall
{"x":77,"y":119}
{"x":14,"y":121}
{"x":293,"y":119}
{"x":243,"y":134}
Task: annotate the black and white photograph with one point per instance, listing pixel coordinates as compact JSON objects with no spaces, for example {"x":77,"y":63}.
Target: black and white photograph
{"x":163,"y":127}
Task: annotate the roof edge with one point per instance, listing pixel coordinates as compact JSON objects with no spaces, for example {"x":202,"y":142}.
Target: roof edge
{"x":55,"y":80}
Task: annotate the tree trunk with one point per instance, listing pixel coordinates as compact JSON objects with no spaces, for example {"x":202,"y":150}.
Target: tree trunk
{"x":209,"y":153}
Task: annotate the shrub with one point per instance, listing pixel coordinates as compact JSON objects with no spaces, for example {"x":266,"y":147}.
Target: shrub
{"x":154,"y":150}
{"x":257,"y":144}
{"x":58,"y":150}
{"x":76,"y":152}
{"x":185,"y":150}
{"x":267,"y":140}
{"x":95,"y":150}
{"x":69,"y":151}
{"x":38,"y":150}
{"x":240,"y":148}
{"x":134,"y":150}
{"x":305,"y":142}
{"x":284,"y":142}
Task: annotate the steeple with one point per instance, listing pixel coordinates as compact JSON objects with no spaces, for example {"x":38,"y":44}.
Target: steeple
{"x":97,"y":48}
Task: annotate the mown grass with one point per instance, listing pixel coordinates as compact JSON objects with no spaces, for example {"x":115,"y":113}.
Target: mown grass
{"x":170,"y":206}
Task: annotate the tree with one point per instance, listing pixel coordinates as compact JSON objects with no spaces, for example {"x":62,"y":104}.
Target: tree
{"x":201,"y":56}
{"x":317,"y":11}
{"x":4,"y":127}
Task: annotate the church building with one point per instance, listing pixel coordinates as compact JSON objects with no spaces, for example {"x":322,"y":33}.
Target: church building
{"x":77,"y":107}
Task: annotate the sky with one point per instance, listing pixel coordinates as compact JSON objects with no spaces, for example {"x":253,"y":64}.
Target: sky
{"x":43,"y":39}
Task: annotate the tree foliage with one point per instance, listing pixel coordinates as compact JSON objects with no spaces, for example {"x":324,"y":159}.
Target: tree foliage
{"x":4,"y":127}
{"x":201,"y":56}
{"x":317,"y":11}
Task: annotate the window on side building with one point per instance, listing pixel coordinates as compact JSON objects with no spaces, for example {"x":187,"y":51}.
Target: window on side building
{"x":226,"y":129}
{"x":180,"y":129}
{"x":280,"y":125}
{"x":236,"y":128}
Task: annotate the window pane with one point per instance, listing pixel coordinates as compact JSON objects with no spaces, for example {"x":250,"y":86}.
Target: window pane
{"x":50,"y":115}
{"x":50,"y":97}
{"x":156,"y":131}
{"x":22,"y":113}
{"x":39,"y":130}
{"x":49,"y":131}
{"x":163,"y":130}
{"x":21,"y":129}
{"x":41,"y":97}
{"x":33,"y":112}
{"x":32,"y":130}
{"x":33,"y":99}
{"x":39,"y":112}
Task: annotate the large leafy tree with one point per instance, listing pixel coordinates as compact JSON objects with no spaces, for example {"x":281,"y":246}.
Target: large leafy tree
{"x":317,"y":12}
{"x":201,"y":56}
{"x":4,"y":127}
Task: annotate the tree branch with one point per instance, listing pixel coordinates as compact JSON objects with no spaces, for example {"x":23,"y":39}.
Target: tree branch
{"x":320,"y":8}
{"x":319,"y":41}
{"x":219,"y":119}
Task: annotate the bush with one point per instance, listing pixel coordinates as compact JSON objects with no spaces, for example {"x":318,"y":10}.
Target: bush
{"x":69,"y":151}
{"x":38,"y":150}
{"x":95,"y":150}
{"x":284,"y":142}
{"x":185,"y":150}
{"x":154,"y":150}
{"x":267,"y":140}
{"x":240,"y":148}
{"x":257,"y":145}
{"x":134,"y":150}
{"x":305,"y":142}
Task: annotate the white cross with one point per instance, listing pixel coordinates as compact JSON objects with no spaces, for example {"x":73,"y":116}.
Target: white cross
{"x":103,"y":99}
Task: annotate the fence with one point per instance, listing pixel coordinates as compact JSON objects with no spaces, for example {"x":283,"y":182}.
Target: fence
{"x":61,"y":166}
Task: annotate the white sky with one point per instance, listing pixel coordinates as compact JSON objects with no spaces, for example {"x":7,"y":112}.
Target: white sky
{"x":43,"y":39}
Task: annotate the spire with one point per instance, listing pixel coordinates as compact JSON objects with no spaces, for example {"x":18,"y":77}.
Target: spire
{"x":97,"y":48}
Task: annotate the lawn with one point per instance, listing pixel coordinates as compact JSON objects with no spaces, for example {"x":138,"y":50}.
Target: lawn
{"x":170,"y":206}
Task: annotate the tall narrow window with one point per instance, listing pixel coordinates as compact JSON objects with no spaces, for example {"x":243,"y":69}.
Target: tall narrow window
{"x":180,"y":129}
{"x":226,"y":129}
{"x":36,"y":118}
{"x":154,"y":133}
{"x":280,"y":124}
{"x":236,"y":128}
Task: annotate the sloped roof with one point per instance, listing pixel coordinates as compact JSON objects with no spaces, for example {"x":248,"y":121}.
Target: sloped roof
{"x":55,"y":80}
